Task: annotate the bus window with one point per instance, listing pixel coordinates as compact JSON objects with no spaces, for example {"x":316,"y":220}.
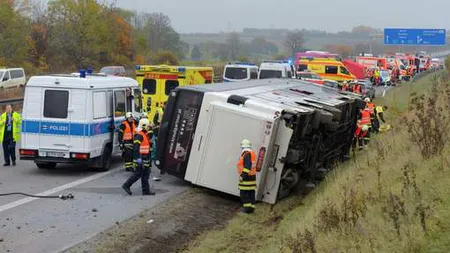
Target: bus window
{"x":331,"y":70}
{"x":344,"y":71}
{"x":170,"y":85}
{"x":137,"y":100}
{"x":149,"y":86}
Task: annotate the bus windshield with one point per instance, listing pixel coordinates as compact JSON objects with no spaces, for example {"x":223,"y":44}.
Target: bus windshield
{"x":235,"y":73}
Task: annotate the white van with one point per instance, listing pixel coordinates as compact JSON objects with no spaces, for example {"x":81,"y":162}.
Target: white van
{"x":12,"y":78}
{"x":239,"y":72}
{"x":276,"y":69}
{"x":70,"y":119}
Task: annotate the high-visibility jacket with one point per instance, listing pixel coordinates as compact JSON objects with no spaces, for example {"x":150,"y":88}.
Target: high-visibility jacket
{"x":16,"y":126}
{"x":370,"y":107}
{"x":356,"y":88}
{"x":248,"y":183}
{"x":365,"y":118}
{"x":345,"y":87}
{"x":145,"y":144}
{"x":158,"y":116}
{"x":128,"y":130}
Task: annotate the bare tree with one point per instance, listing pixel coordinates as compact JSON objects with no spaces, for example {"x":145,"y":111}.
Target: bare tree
{"x":234,"y":45}
{"x":294,"y":42}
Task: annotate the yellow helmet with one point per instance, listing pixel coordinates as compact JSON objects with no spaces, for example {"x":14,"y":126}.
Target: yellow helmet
{"x":246,"y":143}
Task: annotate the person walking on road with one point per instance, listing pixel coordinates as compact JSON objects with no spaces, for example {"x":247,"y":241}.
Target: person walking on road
{"x":10,"y":125}
{"x":141,"y":159}
{"x":127,"y":130}
{"x":246,"y":168}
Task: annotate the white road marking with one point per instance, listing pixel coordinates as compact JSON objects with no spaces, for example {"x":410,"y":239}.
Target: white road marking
{"x":57,"y":189}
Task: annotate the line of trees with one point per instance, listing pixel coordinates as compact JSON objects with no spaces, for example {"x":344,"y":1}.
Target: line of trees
{"x":70,"y":34}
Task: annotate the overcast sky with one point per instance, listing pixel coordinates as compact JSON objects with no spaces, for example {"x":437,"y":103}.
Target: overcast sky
{"x":330,"y":15}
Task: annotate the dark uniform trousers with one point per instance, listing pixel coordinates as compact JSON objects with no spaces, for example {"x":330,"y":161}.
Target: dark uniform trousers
{"x":142,"y":171}
{"x":247,"y":192}
{"x":127,"y":155}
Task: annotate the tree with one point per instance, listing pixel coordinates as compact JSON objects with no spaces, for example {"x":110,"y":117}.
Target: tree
{"x":14,"y":32}
{"x":234,"y":45}
{"x":260,"y":45}
{"x":165,"y":57}
{"x":196,"y":54}
{"x":294,"y":42}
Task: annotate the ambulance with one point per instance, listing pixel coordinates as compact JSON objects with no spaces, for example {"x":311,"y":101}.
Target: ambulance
{"x":157,"y":82}
{"x":75,"y":118}
{"x":327,"y":68}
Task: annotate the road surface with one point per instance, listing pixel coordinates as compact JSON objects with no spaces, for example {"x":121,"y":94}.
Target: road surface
{"x":52,"y":225}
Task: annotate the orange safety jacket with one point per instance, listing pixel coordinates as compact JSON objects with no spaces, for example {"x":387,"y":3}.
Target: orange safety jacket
{"x":371,"y":108}
{"x":365,"y":118}
{"x":144,"y":148}
{"x":129,"y":131}
{"x":249,"y":182}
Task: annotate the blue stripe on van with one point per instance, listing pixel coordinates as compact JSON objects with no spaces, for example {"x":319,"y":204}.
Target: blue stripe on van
{"x":67,"y":129}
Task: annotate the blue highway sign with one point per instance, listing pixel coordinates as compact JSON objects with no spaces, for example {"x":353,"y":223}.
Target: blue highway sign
{"x":430,"y":37}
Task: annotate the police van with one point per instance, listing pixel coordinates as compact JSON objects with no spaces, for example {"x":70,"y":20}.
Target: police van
{"x":75,"y":118}
{"x":239,"y":72}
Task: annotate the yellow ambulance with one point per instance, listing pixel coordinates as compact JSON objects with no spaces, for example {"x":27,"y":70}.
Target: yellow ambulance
{"x":157,"y":81}
{"x":327,"y":68}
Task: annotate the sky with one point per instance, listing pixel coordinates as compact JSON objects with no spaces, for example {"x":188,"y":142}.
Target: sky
{"x":205,"y":16}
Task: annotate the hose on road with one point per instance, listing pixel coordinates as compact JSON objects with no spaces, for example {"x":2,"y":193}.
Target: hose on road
{"x":63,"y":197}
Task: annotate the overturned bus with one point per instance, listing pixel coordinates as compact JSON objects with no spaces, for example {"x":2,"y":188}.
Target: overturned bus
{"x":297,"y":129}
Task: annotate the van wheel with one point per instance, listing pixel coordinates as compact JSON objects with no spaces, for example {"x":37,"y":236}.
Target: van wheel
{"x":106,"y":159}
{"x":45,"y":165}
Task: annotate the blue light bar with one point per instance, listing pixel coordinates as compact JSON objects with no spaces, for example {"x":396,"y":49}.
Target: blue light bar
{"x":244,"y":63}
{"x":137,"y":67}
{"x":90,"y":71}
{"x":82,"y":73}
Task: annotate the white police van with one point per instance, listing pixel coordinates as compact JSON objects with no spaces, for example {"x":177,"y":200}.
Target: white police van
{"x":75,"y":118}
{"x":240,"y":71}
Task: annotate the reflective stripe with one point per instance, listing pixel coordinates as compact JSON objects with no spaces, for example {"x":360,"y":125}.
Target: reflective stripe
{"x":246,"y":170}
{"x":137,"y":142}
{"x":247,"y":205}
{"x":247,"y":183}
{"x":247,"y":188}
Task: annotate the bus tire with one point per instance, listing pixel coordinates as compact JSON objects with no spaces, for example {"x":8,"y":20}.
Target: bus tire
{"x":44,"y":165}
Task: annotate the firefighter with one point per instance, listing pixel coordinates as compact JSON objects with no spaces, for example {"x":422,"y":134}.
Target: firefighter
{"x":345,"y":86}
{"x":141,"y":159}
{"x":360,"y":135}
{"x":127,"y":131}
{"x":246,"y":168}
{"x":356,"y":88}
{"x":365,"y":119}
{"x":371,"y":108}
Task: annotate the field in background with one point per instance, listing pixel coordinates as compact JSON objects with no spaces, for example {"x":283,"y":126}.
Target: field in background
{"x":385,"y":199}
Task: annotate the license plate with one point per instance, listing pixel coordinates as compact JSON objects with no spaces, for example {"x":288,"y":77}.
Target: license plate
{"x":55,"y":154}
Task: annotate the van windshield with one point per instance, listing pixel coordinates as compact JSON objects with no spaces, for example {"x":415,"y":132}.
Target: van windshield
{"x":236,"y":73}
{"x":265,"y":74}
{"x":1,"y":75}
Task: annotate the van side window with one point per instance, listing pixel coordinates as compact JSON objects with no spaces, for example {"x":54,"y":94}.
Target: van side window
{"x":253,"y":74}
{"x":18,"y":73}
{"x":6,"y":76}
{"x":119,"y":103}
{"x":344,"y":71}
{"x":170,"y":85}
{"x":149,"y":86}
{"x":100,"y":104}
{"x":56,"y":103}
{"x":331,"y":70}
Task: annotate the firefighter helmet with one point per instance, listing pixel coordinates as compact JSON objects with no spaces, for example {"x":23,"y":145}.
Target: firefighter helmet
{"x":246,"y":143}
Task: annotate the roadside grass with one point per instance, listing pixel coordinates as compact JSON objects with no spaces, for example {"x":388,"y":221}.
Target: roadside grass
{"x":386,"y":199}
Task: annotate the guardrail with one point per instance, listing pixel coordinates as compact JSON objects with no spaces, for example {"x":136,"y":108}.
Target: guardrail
{"x":424,"y":73}
{"x":11,"y":101}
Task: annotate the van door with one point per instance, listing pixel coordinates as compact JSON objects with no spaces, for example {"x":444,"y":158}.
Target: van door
{"x":6,"y":80}
{"x":119,"y":109}
{"x":54,"y":126}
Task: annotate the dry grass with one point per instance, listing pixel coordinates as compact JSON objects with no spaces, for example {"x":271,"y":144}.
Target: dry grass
{"x":389,"y":199}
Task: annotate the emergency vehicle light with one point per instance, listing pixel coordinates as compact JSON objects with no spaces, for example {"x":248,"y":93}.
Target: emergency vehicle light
{"x":181,"y":69}
{"x":83,"y":73}
{"x":79,"y":156}
{"x":137,"y":67}
{"x":90,"y":71}
{"x":244,"y":63}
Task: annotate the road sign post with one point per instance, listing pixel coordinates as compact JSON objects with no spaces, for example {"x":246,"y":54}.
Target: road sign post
{"x":415,"y":37}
